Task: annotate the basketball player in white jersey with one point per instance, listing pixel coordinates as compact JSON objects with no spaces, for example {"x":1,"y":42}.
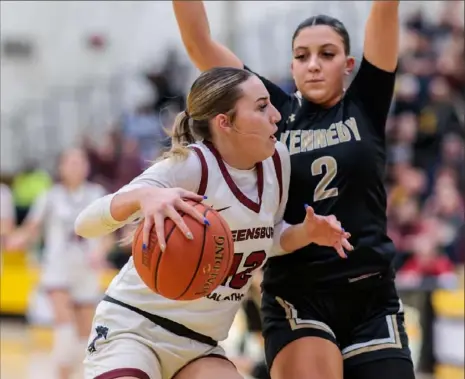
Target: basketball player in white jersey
{"x":241,"y":171}
{"x":69,"y":270}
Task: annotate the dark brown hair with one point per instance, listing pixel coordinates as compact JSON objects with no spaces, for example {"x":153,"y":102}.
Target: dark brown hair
{"x":332,"y":22}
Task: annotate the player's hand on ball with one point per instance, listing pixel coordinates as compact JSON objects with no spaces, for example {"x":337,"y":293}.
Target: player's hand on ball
{"x":327,"y":231}
{"x":157,"y":204}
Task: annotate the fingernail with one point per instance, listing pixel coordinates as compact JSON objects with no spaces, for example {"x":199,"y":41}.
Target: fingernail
{"x":162,"y":247}
{"x":346,"y":255}
{"x":206,"y":222}
{"x":343,"y":230}
{"x":306,"y":206}
{"x":190,"y":236}
{"x":205,"y":197}
{"x":144,"y":246}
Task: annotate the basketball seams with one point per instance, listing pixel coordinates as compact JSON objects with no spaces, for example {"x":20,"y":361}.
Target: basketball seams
{"x":227,"y":231}
{"x":160,"y":255}
{"x":199,"y":262}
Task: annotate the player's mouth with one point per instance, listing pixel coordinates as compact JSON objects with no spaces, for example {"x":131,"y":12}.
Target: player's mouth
{"x":273,"y":138}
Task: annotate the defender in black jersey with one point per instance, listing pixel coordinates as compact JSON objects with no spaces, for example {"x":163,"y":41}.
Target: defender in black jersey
{"x":327,"y":317}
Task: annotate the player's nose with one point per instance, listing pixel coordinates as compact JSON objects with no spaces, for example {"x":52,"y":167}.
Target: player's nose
{"x":275,"y":115}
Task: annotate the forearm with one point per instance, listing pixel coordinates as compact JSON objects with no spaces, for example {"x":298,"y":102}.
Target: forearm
{"x":204,"y":52}
{"x":294,"y":238}
{"x":289,"y":238}
{"x":108,"y":214}
{"x":193,"y":24}
{"x":382,"y":35}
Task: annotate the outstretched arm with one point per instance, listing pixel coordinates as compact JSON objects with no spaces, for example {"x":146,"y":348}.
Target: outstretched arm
{"x":154,"y":195}
{"x":204,"y":52}
{"x":381,"y":47}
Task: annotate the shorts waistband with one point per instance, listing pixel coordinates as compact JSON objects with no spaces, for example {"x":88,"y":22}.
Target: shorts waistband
{"x":167,"y":324}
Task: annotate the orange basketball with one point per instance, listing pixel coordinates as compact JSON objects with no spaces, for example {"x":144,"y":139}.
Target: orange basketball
{"x":187,"y":269}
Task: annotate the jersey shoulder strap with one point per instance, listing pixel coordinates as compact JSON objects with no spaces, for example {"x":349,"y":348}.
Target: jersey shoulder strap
{"x":204,"y":170}
{"x":279,"y":173}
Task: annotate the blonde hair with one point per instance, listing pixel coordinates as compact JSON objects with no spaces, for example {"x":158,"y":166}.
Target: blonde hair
{"x":214,"y":92}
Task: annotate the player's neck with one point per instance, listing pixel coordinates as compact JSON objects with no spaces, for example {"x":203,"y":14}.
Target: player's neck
{"x":72,"y":187}
{"x":231,"y":158}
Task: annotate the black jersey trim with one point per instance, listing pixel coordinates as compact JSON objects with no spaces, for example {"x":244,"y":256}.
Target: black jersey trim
{"x":167,"y":324}
{"x":279,"y":174}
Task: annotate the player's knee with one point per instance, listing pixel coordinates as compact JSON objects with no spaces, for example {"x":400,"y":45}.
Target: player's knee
{"x":65,"y":344}
{"x":308,"y":358}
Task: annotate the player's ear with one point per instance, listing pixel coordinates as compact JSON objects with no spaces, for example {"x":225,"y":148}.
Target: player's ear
{"x":222,"y":122}
{"x":350,"y":65}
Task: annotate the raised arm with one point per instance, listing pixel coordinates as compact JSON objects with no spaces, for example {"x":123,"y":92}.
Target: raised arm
{"x":204,"y":52}
{"x":381,"y":47}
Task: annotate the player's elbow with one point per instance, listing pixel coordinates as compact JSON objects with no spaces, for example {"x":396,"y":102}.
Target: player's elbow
{"x":199,"y":50}
{"x":87,"y":227}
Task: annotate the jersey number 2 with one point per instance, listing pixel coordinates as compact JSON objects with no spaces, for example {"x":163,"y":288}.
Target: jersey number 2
{"x":322,"y":191}
{"x":237,"y":280}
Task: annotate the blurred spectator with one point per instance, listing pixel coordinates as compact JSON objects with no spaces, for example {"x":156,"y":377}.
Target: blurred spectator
{"x":27,"y":186}
{"x":147,"y":128}
{"x":7,"y":210}
{"x":427,"y":260}
{"x":103,"y":159}
{"x":129,"y":163}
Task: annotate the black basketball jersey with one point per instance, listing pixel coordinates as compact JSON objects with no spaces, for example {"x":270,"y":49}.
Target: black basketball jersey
{"x":337,"y":166}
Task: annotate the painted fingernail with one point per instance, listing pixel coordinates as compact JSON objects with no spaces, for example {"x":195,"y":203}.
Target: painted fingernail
{"x":162,"y":247}
{"x":346,"y":255}
{"x":144,"y":246}
{"x":205,"y":197}
{"x":206,"y":222}
{"x":343,"y":230}
{"x":190,"y":236}
{"x":305,"y":206}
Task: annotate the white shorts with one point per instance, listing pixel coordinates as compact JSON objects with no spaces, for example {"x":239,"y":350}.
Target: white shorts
{"x":131,"y":345}
{"x":79,"y":279}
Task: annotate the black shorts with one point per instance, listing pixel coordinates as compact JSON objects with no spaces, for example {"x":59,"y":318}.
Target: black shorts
{"x":365,"y":322}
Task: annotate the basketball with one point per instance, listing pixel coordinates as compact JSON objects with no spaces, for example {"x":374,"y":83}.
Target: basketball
{"x":187,"y":269}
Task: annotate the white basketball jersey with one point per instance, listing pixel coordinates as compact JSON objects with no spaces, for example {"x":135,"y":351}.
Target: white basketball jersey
{"x":251,"y":220}
{"x":57,"y":210}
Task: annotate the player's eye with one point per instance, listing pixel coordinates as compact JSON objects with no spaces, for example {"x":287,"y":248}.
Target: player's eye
{"x":299,"y":57}
{"x":262,"y":107}
{"x":328,"y":54}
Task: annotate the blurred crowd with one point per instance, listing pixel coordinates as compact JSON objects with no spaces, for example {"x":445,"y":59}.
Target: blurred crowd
{"x":426,"y":134}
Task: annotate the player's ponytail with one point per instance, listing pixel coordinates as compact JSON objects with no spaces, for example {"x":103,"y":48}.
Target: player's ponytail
{"x":181,"y":135}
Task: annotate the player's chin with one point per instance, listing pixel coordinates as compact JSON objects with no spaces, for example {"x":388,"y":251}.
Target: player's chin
{"x":316,"y":95}
{"x":269,"y":149}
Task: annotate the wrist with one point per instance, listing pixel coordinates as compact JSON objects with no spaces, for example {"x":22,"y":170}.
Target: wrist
{"x":305,"y":233}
